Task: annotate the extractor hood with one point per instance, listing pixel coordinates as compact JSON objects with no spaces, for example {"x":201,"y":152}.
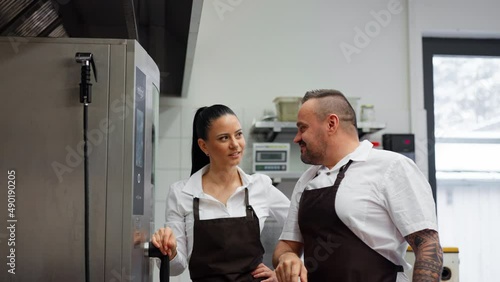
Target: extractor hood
{"x":167,"y":29}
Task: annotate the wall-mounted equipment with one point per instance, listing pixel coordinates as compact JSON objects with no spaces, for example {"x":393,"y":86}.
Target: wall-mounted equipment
{"x":271,"y":157}
{"x":400,"y":143}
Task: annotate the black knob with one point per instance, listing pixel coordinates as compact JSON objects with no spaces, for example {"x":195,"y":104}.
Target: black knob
{"x":446,"y":274}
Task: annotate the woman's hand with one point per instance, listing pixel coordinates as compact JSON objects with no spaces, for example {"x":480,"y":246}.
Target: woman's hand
{"x":262,"y":271}
{"x":164,"y":239}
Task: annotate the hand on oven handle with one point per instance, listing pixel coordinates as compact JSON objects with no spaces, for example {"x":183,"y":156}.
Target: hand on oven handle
{"x":153,"y":252}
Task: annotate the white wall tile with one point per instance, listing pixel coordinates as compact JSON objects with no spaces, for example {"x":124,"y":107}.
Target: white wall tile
{"x":170,"y":121}
{"x":187,"y":115}
{"x":165,"y":178}
{"x":160,"y":214}
{"x":185,"y":153}
{"x":169,"y":154}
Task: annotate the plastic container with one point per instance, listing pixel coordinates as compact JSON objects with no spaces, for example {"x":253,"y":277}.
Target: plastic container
{"x":287,"y":108}
{"x":367,"y":113}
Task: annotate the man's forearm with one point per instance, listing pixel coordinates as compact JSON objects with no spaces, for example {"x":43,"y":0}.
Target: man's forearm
{"x":285,"y":247}
{"x":428,"y":256}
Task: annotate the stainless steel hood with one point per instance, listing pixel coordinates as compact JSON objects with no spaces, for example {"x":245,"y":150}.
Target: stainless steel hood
{"x":30,"y":18}
{"x":161,"y":26}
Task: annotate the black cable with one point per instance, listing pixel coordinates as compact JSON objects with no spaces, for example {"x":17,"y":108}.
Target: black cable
{"x":86,"y":98}
{"x":87,"y":192}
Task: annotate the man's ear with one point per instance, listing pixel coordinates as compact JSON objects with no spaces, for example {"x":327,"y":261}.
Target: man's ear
{"x":333,"y":122}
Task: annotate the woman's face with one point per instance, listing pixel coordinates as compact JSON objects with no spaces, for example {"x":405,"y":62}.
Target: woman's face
{"x":225,"y":142}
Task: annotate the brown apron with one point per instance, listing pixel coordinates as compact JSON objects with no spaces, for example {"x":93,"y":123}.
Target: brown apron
{"x":332,"y":252}
{"x":225,"y":249}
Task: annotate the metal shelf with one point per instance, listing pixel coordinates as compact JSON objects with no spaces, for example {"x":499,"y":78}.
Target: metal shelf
{"x":266,"y":131}
{"x":369,"y":127}
{"x":282,"y":174}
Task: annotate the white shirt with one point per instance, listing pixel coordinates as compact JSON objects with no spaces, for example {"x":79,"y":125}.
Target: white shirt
{"x":383,"y":198}
{"x":266,"y":200}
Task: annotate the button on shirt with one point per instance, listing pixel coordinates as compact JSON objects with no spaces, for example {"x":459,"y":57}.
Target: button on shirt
{"x":383,"y":198}
{"x":266,"y":200}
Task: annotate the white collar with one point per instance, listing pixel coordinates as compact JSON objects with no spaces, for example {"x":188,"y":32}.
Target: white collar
{"x":359,"y":155}
{"x":193,"y":185}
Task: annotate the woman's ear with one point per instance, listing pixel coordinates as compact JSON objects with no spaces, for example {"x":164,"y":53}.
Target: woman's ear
{"x":203,"y":146}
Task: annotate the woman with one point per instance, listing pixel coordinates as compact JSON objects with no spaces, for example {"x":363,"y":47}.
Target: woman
{"x":215,"y":217}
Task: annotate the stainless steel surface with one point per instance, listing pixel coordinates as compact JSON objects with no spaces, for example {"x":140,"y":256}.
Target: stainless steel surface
{"x":145,"y":247}
{"x":31,"y":18}
{"x":41,"y":119}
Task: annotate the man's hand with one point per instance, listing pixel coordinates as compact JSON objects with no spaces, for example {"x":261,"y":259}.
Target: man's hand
{"x":290,"y":268}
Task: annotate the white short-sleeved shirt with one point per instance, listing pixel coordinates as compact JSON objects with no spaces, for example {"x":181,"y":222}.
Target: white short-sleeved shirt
{"x":383,"y":198}
{"x":266,"y":200}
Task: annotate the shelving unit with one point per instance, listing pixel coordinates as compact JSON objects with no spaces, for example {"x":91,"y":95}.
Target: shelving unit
{"x":266,"y":131}
{"x":369,"y":127}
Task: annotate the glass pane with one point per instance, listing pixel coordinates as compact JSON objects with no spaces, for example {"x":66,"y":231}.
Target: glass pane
{"x":467,"y":114}
{"x":467,"y":152}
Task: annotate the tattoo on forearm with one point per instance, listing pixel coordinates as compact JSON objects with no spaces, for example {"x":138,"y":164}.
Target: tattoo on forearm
{"x":428,"y":256}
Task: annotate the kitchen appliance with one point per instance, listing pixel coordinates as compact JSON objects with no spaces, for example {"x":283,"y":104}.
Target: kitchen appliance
{"x":63,"y":232}
{"x":271,"y":157}
{"x":400,"y":143}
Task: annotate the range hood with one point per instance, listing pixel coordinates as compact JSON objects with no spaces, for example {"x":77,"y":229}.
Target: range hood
{"x":167,"y":29}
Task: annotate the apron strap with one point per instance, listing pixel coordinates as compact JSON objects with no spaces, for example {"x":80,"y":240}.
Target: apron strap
{"x":248,"y":208}
{"x":196,"y":207}
{"x":341,"y":174}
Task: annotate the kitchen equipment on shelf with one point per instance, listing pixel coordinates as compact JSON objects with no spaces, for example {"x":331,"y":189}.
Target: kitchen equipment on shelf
{"x":287,"y":108}
{"x":271,"y":157}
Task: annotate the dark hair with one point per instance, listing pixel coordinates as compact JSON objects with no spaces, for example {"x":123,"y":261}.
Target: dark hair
{"x":338,"y":105}
{"x":201,"y":124}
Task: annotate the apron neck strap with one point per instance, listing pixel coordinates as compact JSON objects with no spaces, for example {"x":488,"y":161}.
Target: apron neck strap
{"x":196,"y":208}
{"x":341,"y":174}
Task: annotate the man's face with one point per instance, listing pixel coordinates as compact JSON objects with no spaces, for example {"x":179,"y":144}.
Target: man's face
{"x":311,"y":134}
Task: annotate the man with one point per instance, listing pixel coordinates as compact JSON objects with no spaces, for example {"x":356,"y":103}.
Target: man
{"x":355,"y":211}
